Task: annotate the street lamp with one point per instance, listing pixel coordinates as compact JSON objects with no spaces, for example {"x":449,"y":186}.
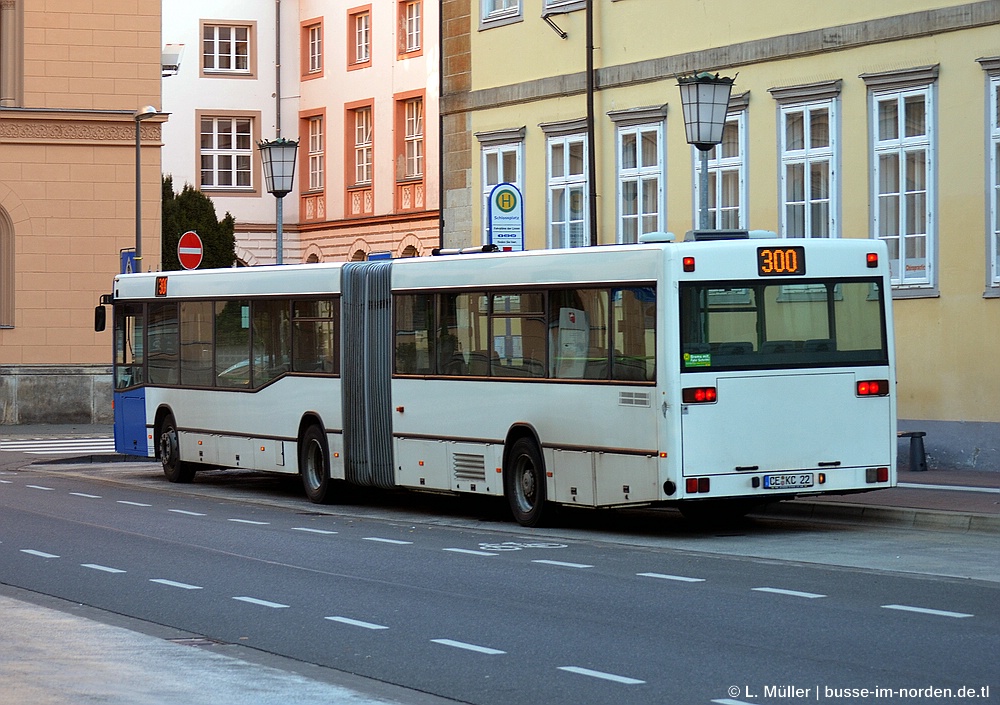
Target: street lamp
{"x":705,"y":101}
{"x":139,"y":115}
{"x":278,"y":157}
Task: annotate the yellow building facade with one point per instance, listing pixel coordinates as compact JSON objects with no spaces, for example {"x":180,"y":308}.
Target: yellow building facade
{"x":849,"y":119}
{"x":71,"y":79}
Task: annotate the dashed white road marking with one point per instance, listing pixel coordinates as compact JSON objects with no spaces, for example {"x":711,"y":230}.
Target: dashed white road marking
{"x":603,"y":676}
{"x":6,"y":482}
{"x":393,"y":541}
{"x":664,"y":576}
{"x":470,"y":552}
{"x":171,"y":583}
{"x":39,"y":487}
{"x":250,"y":521}
{"x":186,"y":512}
{"x":564,"y":564}
{"x":85,"y":495}
{"x":262,"y":603}
{"x":133,"y":504}
{"x":312,"y":531}
{"x":356,"y":623}
{"x":793,"y":593}
{"x":103,"y":568}
{"x":469,"y":647}
{"x":40,"y":554}
{"x":927,"y":610}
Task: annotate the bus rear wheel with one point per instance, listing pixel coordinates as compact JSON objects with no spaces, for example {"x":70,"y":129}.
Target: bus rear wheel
{"x":314,"y":466}
{"x":170,"y":453}
{"x":524,"y":483}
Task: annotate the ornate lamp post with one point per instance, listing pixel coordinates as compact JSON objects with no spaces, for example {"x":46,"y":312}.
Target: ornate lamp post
{"x":278,"y":157}
{"x":705,"y":101}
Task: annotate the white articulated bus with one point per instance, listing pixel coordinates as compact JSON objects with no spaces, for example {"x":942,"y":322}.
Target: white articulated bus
{"x":710,"y":375}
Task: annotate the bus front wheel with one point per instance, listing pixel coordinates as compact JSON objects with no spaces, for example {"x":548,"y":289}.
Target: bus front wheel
{"x":170,"y":453}
{"x":314,"y":466}
{"x":524,"y":483}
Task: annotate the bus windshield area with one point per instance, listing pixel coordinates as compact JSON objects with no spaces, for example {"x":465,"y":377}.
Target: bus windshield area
{"x":781,"y":324}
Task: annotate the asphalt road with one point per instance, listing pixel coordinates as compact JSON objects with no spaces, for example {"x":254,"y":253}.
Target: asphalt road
{"x":422,"y":594}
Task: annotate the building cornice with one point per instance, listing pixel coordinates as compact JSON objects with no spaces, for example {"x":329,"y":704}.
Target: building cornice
{"x":45,"y":126}
{"x":838,"y":38}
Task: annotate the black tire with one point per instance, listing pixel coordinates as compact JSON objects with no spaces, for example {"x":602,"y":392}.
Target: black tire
{"x":170,"y":453}
{"x":314,"y":466}
{"x":524,"y":483}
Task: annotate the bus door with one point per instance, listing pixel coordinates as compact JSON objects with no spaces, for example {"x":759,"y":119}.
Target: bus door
{"x":129,"y":384}
{"x":772,"y":373}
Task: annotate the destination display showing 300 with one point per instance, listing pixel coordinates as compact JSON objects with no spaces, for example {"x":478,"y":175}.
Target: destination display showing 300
{"x":781,"y":261}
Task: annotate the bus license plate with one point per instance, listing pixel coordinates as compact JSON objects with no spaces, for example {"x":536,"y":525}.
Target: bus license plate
{"x":788,"y":482}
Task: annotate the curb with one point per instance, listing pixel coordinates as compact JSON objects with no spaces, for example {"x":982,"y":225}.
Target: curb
{"x":905,"y":517}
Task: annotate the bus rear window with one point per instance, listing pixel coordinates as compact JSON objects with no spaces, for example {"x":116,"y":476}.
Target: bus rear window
{"x":752,"y":325}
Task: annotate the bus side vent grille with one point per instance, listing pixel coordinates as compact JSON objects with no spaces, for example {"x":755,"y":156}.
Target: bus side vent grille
{"x":633,"y":399}
{"x":468,"y":466}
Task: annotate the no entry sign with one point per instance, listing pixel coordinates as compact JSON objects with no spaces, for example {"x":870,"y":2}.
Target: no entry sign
{"x":189,"y":250}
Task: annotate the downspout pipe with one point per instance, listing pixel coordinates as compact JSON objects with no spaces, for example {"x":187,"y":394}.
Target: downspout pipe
{"x":441,"y":140}
{"x":591,"y":137}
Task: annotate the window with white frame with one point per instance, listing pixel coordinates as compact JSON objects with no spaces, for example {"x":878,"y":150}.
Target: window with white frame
{"x":226,"y":49}
{"x":994,"y":194}
{"x":500,"y":9}
{"x":502,"y":163}
{"x":410,"y":26}
{"x":568,"y":191}
{"x":727,"y":167}
{"x":902,"y":181}
{"x":317,"y":154}
{"x":363,"y":146}
{"x":641,"y":207}
{"x":808,"y":188}
{"x":315,"y":39}
{"x":226,"y":152}
{"x":361,"y":25}
{"x":413,"y":130}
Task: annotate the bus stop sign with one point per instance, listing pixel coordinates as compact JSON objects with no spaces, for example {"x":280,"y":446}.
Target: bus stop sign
{"x":189,"y":250}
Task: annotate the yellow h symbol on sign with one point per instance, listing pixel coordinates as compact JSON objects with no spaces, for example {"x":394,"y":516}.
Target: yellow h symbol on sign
{"x":506,"y":201}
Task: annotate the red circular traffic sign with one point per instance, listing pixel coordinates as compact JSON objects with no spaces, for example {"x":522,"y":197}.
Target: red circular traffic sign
{"x":189,"y":250}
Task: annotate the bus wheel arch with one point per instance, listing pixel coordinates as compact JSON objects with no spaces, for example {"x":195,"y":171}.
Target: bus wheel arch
{"x":524,"y":477}
{"x":314,"y":460}
{"x":168,"y":448}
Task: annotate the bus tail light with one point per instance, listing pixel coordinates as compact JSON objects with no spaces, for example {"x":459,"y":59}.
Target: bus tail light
{"x":873,"y":475}
{"x":872,"y":260}
{"x":873,"y":388}
{"x":696,"y":485}
{"x":699,"y":395}
{"x":688,"y":264}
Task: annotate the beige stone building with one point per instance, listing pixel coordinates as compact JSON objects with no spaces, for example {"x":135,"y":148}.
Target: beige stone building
{"x":848,"y":119}
{"x":70,"y":83}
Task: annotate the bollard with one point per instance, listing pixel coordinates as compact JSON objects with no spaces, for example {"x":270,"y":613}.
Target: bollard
{"x":918,"y":458}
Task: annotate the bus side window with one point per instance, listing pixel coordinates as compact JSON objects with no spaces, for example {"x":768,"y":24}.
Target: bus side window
{"x":634,"y":321}
{"x":163,"y":337}
{"x":415,"y":337}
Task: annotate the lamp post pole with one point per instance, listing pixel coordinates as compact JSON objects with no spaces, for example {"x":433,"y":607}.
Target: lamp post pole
{"x":705,"y":101}
{"x":278,"y":159}
{"x":139,"y":115}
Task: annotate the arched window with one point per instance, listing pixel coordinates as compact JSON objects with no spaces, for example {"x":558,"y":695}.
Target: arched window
{"x":6,"y":270}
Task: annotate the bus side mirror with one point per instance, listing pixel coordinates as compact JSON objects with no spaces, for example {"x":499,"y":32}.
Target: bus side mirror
{"x":100,"y":319}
